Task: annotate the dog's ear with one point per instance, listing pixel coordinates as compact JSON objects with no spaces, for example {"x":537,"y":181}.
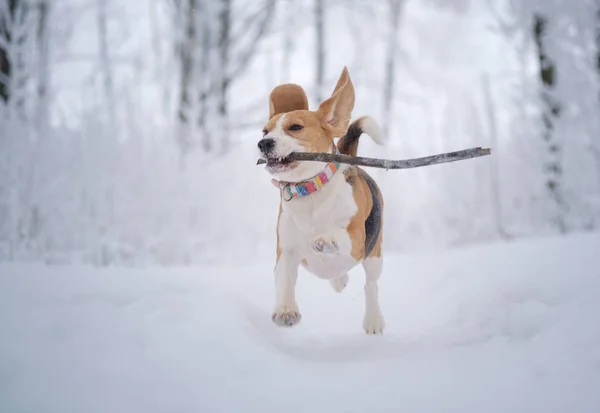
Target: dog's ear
{"x":337,"y":110}
{"x":287,"y":98}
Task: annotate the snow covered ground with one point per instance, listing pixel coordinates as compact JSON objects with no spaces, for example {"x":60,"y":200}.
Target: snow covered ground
{"x":506,"y":328}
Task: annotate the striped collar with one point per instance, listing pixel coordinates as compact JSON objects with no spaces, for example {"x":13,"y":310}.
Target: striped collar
{"x":291,"y":190}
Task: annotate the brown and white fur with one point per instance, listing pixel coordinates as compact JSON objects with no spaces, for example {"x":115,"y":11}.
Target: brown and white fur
{"x":334,"y":229}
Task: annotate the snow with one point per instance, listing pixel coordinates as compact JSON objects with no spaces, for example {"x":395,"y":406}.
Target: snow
{"x":501,"y":328}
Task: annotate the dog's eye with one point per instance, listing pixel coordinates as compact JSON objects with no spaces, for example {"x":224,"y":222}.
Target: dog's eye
{"x":295,"y":126}
{"x":265,"y":132}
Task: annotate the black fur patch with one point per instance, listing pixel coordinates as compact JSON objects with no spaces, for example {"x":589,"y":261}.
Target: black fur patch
{"x":349,"y":142}
{"x":373,"y":222}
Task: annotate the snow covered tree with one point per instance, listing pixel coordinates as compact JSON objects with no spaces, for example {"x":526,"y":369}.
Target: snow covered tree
{"x":560,"y":36}
{"x":214,"y":47}
{"x":15,"y":53}
{"x":185,"y":12}
{"x":551,"y":111}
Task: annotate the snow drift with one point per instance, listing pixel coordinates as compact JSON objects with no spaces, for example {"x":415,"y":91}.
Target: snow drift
{"x":507,"y":328}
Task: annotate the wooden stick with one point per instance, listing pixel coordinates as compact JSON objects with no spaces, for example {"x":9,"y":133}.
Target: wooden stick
{"x":387,"y":163}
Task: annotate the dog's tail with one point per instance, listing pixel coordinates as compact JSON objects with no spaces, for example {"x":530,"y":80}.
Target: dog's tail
{"x":348,"y":144}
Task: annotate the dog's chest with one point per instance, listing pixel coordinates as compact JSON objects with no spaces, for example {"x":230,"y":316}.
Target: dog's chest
{"x":328,"y":211}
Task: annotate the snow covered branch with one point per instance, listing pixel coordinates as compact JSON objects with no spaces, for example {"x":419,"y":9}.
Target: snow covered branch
{"x":387,"y":163}
{"x":266,"y":12}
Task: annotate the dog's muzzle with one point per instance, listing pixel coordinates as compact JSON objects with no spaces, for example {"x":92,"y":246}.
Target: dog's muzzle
{"x":266,"y":145}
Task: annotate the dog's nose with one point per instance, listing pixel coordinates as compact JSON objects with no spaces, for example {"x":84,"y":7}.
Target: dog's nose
{"x":266,"y":145}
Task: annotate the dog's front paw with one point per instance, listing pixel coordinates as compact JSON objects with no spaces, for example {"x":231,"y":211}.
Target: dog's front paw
{"x":374,"y":323}
{"x":286,"y":316}
{"x":326,"y":245}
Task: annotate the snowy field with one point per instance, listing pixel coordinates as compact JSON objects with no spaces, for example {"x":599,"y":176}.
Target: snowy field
{"x":507,"y":328}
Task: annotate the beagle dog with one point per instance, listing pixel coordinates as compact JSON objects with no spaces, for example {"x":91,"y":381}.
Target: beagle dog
{"x":330,"y":214}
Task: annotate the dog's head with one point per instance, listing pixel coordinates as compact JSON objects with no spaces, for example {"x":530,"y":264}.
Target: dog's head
{"x":294,"y":128}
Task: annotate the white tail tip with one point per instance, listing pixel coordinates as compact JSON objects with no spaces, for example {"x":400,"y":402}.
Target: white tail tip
{"x":370,"y":126}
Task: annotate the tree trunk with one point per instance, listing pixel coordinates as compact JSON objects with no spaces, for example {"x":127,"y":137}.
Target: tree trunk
{"x":205,"y":79}
{"x":43,"y":43}
{"x":21,"y":72}
{"x":187,"y":59}
{"x":13,"y":59}
{"x":187,"y":49}
{"x":395,"y":7}
{"x":550,"y":114}
{"x":320,"y":48}
{"x":5,"y":58}
{"x":224,"y":47}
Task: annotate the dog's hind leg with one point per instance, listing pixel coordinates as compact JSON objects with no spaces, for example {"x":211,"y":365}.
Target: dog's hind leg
{"x":339,"y":283}
{"x":373,"y":322}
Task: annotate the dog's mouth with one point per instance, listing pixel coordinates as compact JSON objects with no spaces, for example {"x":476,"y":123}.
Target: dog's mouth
{"x":280,"y":164}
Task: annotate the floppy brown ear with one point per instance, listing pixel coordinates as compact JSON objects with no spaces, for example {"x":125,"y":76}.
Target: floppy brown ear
{"x":337,"y":110}
{"x":287,"y":98}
